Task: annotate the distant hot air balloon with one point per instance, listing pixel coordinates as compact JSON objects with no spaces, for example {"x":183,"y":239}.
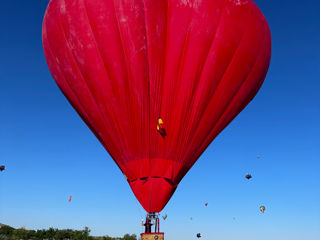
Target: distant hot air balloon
{"x":198,"y":235}
{"x":206,"y":204}
{"x":122,"y":64}
{"x":262,"y":209}
{"x":70,"y":198}
{"x":2,"y":168}
{"x":164,"y":216}
{"x":191,"y":218}
{"x":258,"y":156}
{"x":248,"y":176}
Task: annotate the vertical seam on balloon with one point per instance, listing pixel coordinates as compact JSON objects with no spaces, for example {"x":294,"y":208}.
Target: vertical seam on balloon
{"x":106,"y":70}
{"x":213,"y":92}
{"x":76,"y":63}
{"x":159,"y":89}
{"x":149,"y":93}
{"x":107,"y":73}
{"x":165,"y":55}
{"x":220,"y":81}
{"x":95,"y":41}
{"x":180,"y":69}
{"x":209,"y":51}
{"x":181,"y":126}
{"x":148,"y":80}
{"x":123,"y":48}
{"x":226,"y":107}
{"x":251,"y":95}
{"x":164,"y":64}
{"x":59,"y":24}
{"x":129,"y":74}
{"x":192,"y":98}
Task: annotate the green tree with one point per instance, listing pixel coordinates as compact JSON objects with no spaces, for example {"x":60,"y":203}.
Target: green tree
{"x":40,"y":234}
{"x":63,"y":234}
{"x":20,"y":233}
{"x":6,"y":231}
{"x":9,"y":233}
{"x":129,"y":237}
{"x":50,"y":233}
{"x":86,"y":231}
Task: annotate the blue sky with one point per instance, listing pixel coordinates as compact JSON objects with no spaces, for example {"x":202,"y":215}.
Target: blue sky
{"x":51,"y":154}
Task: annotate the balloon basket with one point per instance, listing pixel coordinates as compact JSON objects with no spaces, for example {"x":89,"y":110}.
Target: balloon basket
{"x":152,"y":236}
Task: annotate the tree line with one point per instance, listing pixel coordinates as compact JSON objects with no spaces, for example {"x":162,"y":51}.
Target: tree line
{"x":10,"y":233}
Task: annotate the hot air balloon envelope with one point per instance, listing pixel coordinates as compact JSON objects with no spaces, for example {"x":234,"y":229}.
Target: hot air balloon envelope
{"x":122,"y":64}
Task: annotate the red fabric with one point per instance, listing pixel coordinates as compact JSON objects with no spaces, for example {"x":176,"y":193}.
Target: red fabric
{"x":124,"y":63}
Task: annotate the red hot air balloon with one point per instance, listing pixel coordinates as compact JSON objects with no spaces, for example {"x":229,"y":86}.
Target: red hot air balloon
{"x":123,"y":63}
{"x":69,"y":200}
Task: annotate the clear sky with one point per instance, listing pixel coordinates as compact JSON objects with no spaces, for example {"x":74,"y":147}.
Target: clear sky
{"x":51,"y":154}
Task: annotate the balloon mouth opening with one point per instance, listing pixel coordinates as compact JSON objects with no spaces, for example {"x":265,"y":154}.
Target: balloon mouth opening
{"x":154,"y":177}
{"x":145,"y":168}
{"x":153,"y":193}
{"x":153,"y":181}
